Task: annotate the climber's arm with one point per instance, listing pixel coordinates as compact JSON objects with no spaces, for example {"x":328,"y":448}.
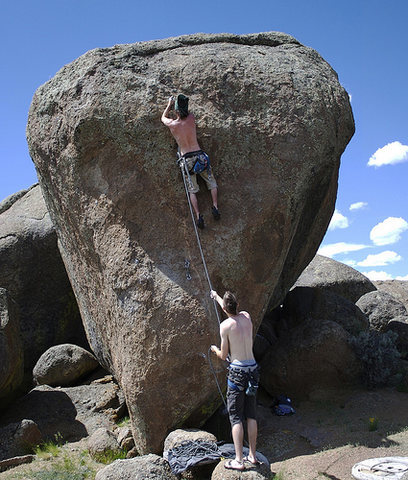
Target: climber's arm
{"x":165,"y":116}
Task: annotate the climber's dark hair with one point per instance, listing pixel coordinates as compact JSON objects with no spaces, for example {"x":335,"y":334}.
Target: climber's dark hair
{"x":230,"y":303}
{"x":181,"y":105}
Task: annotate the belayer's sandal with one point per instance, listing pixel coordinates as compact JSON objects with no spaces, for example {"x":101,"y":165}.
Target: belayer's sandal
{"x":234,"y":465}
{"x":256,"y":463}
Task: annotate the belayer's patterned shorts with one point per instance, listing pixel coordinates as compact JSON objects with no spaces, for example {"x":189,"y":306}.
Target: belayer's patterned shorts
{"x":240,"y":405}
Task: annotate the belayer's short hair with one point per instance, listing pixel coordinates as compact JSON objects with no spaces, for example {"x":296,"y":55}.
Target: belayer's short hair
{"x":230,"y":303}
{"x":181,"y":105}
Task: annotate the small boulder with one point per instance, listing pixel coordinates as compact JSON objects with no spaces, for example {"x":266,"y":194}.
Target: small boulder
{"x":147,"y":467}
{"x":15,"y":461}
{"x":101,"y":442}
{"x":261,"y":472}
{"x":19,"y":438}
{"x":63,"y":365}
{"x":328,"y":274}
{"x":177,"y":437}
{"x":380,"y":308}
{"x":125,"y":438}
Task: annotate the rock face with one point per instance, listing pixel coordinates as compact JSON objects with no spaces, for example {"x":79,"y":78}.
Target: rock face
{"x":274,"y":120}
{"x":63,"y":365}
{"x":302,"y":303}
{"x":380,"y":308}
{"x":327,"y":274}
{"x":397,"y":288}
{"x":311,"y":356}
{"x":399,"y":325}
{"x":35,"y":277}
{"x":76,"y":411}
{"x":11,"y":351}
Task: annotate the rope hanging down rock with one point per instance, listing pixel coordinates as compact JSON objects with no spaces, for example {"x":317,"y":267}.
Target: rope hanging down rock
{"x":185,"y":173}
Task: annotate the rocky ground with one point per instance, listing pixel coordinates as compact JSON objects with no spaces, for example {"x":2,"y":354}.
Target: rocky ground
{"x":333,"y":431}
{"x":326,"y":436}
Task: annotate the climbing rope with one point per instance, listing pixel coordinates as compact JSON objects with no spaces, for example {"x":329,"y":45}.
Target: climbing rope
{"x":185,"y":173}
{"x":216,"y":379}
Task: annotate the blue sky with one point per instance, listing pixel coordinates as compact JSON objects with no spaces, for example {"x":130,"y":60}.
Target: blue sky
{"x":364,"y":41}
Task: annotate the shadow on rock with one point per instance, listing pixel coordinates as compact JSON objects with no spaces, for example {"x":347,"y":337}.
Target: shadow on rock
{"x":53,"y":411}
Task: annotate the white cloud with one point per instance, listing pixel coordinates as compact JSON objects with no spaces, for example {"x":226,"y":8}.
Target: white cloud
{"x":391,"y":154}
{"x":373,"y":275}
{"x":338,"y":221}
{"x":389,"y":231}
{"x":380,"y":259}
{"x":350,"y":263}
{"x":402,"y":278}
{"x":341,"y":247}
{"x":358,"y":205}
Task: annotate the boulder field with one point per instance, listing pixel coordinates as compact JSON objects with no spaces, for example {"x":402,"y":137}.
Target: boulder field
{"x":274,"y":120}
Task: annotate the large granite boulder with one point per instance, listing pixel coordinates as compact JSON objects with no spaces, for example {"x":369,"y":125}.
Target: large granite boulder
{"x":11,"y":351}
{"x":35,"y":277}
{"x":399,"y":325}
{"x":274,"y":120}
{"x":330,"y":275}
{"x":303,"y":303}
{"x":381,"y":307}
{"x":63,"y":365}
{"x":313,"y":355}
{"x":397,"y":288}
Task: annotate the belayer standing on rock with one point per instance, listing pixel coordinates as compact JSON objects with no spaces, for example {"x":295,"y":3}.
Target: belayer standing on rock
{"x":243,"y":376}
{"x":183,"y":129}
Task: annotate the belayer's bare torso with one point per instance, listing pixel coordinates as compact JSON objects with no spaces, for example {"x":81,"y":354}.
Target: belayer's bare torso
{"x":239,"y":332}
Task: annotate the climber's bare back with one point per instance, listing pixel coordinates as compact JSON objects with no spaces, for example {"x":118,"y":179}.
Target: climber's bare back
{"x":185,"y":134}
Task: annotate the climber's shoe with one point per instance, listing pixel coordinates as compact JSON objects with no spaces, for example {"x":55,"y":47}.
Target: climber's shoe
{"x":200,"y":222}
{"x":215,"y":213}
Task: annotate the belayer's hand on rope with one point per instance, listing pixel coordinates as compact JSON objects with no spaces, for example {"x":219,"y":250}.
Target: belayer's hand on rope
{"x":215,"y":350}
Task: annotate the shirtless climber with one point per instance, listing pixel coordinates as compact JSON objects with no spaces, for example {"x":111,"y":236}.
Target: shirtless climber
{"x":242,"y":379}
{"x":183,"y":129}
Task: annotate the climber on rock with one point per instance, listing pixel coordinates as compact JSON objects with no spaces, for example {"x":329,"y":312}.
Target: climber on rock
{"x":243,"y":376}
{"x":183,"y":129}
